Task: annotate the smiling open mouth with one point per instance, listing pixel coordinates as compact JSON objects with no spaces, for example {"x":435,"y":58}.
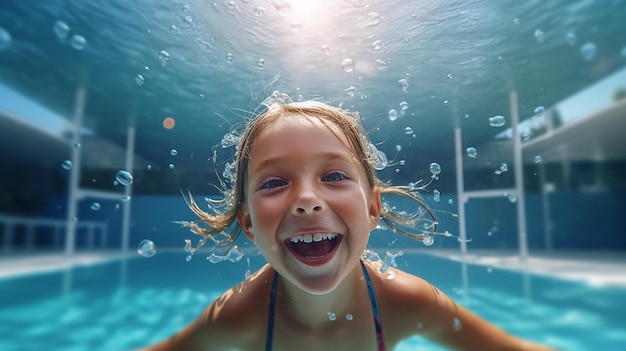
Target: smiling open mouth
{"x":313,"y":249}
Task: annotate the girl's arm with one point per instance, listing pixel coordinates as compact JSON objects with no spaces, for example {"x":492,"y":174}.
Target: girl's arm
{"x":416,"y":307}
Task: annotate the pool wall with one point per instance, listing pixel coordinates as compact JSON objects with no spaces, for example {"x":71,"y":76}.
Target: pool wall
{"x":590,"y":221}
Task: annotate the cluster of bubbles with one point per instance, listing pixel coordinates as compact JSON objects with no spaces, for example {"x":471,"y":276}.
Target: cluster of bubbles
{"x":436,"y":195}
{"x":376,"y":158}
{"x":588,"y":50}
{"x":234,"y":254}
{"x":390,"y":261}
{"x":503,"y":168}
{"x":62,"y":32}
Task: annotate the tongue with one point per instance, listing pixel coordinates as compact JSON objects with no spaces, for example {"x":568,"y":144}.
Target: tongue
{"x":315,"y":248}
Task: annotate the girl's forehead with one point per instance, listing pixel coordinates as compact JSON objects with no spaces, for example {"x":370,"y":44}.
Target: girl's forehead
{"x":294,"y":123}
{"x":315,"y":123}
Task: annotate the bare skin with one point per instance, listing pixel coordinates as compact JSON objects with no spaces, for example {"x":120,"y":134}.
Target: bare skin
{"x":304,"y":181}
{"x":238,"y":319}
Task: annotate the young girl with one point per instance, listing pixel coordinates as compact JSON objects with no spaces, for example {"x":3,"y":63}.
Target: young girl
{"x":306,"y":193}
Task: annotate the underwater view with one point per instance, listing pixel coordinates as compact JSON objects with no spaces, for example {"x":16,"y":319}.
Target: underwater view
{"x":503,"y":122}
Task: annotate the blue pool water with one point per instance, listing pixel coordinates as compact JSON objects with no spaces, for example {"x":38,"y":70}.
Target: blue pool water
{"x":125,"y":304}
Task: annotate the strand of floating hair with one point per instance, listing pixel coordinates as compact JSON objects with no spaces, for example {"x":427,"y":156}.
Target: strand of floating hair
{"x":204,"y":218}
{"x":390,"y":218}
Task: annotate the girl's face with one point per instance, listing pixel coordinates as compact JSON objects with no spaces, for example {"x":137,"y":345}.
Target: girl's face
{"x":308,"y":204}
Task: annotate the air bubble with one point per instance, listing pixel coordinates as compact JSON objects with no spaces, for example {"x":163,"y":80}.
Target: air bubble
{"x":347,"y":65}
{"x":67,"y":164}
{"x":5,"y":39}
{"x":146,"y":248}
{"x":381,"y":65}
{"x":95,"y":206}
{"x":540,"y":36}
{"x":325,"y":49}
{"x":349,"y":317}
{"x":571,"y":38}
{"x":404,"y":83}
{"x":260,"y":63}
{"x":497,"y":121}
{"x":589,"y":51}
{"x":538,"y":159}
{"x":78,"y":42}
{"x":379,"y":160}
{"x":173,"y":152}
{"x":331,"y":315}
{"x":436,"y":195}
{"x":164,"y":56}
{"x":259,"y":11}
{"x":393,"y":115}
{"x":456,"y":324}
{"x":504,"y":167}
{"x":171,"y":166}
{"x":408,"y":130}
{"x":404,"y":105}
{"x":471,"y":152}
{"x":61,"y":29}
{"x":373,"y":19}
{"x":435,"y":168}
{"x":124,"y":178}
{"x":428,"y":240}
{"x":229,"y":57}
{"x":539,"y":111}
{"x":139,"y":79}
{"x":377,"y":45}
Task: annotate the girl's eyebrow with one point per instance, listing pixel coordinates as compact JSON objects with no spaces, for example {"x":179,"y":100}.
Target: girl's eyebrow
{"x":327,"y":156}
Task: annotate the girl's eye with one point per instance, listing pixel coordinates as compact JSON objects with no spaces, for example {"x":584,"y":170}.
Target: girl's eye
{"x":335,"y":177}
{"x":272,"y":183}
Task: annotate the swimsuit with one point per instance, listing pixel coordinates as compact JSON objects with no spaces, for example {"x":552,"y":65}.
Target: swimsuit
{"x":370,"y":290}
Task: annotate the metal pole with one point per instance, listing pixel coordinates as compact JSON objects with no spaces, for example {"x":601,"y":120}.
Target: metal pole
{"x":74,"y":181}
{"x":130,"y":152}
{"x":519,"y":177}
{"x":460,"y":190}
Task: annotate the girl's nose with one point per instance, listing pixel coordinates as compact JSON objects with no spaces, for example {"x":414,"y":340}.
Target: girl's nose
{"x":306,"y":202}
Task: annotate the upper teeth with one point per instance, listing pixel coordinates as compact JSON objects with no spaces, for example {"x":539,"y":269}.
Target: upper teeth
{"x":307,"y":238}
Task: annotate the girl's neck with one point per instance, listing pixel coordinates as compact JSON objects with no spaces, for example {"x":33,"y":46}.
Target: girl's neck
{"x":312,"y":310}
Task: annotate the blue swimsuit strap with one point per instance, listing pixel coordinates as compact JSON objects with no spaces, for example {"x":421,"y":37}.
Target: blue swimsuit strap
{"x":270,"y":315}
{"x":379,"y":328}
{"x":370,"y":290}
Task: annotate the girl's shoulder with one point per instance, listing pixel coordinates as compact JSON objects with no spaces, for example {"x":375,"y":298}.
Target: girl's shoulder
{"x":407,"y":302}
{"x":242,"y":303}
{"x":238,"y":318}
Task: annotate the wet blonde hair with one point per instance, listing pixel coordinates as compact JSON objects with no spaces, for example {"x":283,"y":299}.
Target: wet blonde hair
{"x":225,"y":210}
